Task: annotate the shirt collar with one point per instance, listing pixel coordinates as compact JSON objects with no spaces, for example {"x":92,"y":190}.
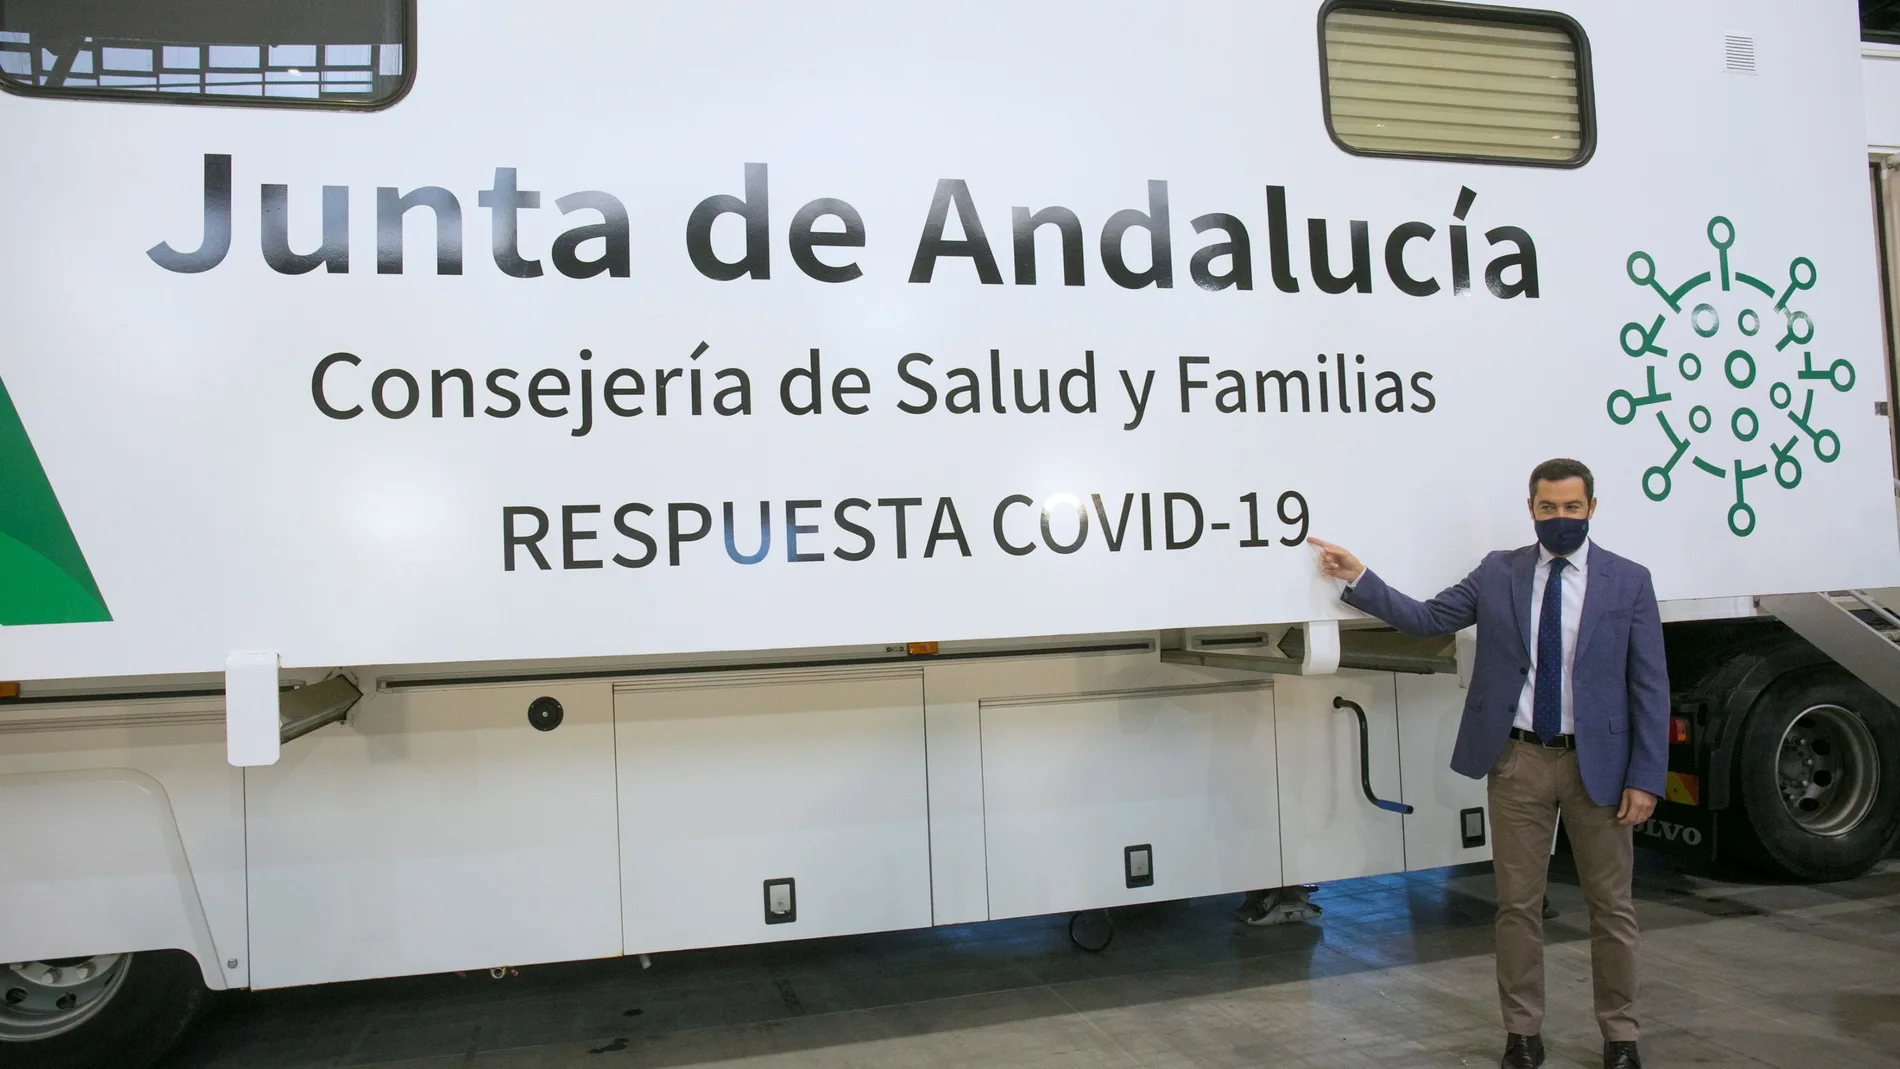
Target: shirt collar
{"x":1580,"y":560}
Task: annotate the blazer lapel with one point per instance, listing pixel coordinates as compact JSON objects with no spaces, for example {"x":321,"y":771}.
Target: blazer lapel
{"x":1596,"y":589}
{"x":1521,"y":568}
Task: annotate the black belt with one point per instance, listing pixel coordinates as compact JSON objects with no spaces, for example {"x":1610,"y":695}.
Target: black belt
{"x":1556,"y":742}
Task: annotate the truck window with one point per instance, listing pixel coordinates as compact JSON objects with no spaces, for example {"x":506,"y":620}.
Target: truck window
{"x":1446,"y":81}
{"x":276,"y":53}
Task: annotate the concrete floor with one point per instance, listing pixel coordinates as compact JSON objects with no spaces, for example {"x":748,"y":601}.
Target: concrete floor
{"x":1397,"y":973}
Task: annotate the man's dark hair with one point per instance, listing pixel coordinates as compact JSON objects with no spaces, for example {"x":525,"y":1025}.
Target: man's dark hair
{"x":1552,"y":471}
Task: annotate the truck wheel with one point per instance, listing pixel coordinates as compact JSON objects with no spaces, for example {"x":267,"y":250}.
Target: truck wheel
{"x":1819,"y":775}
{"x":111,"y":1009}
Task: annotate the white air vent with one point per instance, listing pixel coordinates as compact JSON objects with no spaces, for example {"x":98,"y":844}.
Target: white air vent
{"x":1738,"y":52}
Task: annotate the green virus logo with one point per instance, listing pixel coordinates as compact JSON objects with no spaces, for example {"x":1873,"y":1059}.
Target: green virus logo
{"x":1727,"y":372}
{"x":43,"y":575}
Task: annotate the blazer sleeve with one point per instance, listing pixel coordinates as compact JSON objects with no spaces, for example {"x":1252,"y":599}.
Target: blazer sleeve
{"x":1455,"y":607}
{"x":1648,"y":677}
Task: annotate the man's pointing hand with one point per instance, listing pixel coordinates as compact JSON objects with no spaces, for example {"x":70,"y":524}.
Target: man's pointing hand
{"x":1338,"y":561}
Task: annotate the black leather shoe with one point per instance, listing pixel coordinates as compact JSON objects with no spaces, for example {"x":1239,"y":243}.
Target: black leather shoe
{"x":1621,"y":1055}
{"x":1523,"y":1052}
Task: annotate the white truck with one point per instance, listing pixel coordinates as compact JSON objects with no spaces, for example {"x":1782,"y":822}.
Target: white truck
{"x":485,"y":484}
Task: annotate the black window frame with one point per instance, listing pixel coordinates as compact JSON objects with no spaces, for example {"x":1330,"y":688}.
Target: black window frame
{"x":1517,"y":16}
{"x":210,"y":100}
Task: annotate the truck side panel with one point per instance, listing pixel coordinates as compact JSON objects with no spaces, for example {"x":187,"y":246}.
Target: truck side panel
{"x":438,"y":830}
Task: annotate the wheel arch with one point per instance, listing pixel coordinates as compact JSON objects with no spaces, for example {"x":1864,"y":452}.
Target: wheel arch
{"x":99,"y":869}
{"x":1726,"y":695}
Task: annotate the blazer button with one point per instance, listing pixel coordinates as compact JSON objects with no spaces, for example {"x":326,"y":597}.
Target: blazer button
{"x":1524,"y":671}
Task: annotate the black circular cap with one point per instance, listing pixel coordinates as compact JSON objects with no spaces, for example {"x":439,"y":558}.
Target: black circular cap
{"x":545,"y":713}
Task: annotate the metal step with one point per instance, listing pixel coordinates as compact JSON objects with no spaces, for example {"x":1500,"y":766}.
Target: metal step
{"x":1854,"y":627}
{"x":1887,"y":599}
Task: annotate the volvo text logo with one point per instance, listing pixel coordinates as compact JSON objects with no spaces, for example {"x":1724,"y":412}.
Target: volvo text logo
{"x":1662,"y":829}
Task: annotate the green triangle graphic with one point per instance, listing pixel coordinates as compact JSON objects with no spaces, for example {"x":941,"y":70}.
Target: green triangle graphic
{"x":43,"y":575}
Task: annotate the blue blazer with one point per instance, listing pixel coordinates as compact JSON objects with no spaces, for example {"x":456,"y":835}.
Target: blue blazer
{"x":1619,"y":684}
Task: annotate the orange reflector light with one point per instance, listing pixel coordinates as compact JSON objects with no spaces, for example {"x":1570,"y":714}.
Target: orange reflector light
{"x":1678,"y":730}
{"x":1683,"y":788}
{"x":921,"y":649}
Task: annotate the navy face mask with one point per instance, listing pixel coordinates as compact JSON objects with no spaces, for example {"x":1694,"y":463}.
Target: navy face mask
{"x":1562,"y":535}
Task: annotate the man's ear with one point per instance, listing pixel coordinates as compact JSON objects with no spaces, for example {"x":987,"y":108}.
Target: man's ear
{"x":1593,"y":509}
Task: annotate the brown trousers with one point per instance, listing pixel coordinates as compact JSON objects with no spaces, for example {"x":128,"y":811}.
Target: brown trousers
{"x":1528,"y":785}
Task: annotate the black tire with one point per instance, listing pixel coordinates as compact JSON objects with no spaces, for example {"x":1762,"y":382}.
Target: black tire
{"x":1772,"y":835}
{"x":162,"y":994}
{"x":1091,"y":930}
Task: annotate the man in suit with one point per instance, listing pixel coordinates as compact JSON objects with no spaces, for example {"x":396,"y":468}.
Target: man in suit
{"x":1568,"y":709}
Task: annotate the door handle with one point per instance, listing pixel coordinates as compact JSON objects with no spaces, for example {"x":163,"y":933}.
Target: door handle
{"x":1365,"y":758}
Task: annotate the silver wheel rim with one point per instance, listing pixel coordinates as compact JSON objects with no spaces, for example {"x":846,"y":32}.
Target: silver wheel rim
{"x":42,"y":999}
{"x":1828,"y":768}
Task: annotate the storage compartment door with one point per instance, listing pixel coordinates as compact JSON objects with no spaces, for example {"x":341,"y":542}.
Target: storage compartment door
{"x":1450,"y":808}
{"x":1072,"y":783}
{"x":1328,"y":829}
{"x":437,"y":830}
{"x":730,"y":781}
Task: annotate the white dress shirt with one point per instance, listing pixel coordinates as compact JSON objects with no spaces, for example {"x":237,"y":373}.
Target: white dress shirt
{"x":1574,"y":582}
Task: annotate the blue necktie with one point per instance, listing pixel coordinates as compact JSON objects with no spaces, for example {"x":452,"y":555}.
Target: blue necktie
{"x":1547,"y":700}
